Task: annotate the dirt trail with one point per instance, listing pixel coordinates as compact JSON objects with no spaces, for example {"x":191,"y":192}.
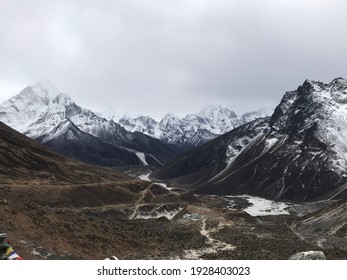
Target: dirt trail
{"x":212,"y":245}
{"x":137,"y":202}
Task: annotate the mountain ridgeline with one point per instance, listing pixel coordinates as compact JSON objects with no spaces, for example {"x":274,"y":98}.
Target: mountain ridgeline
{"x":53,"y":119}
{"x":23,"y":160}
{"x":190,"y":188}
{"x":190,"y":131}
{"x":299,"y":153}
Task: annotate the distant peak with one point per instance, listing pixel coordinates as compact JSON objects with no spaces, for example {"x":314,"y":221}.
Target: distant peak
{"x":261,"y":112}
{"x":309,"y":82}
{"x":169,"y":116}
{"x":115,"y":114}
{"x":62,"y":97}
{"x":339,"y":81}
{"x":212,"y":109}
{"x":44,"y":88}
{"x":144,"y":118}
{"x":309,"y":86}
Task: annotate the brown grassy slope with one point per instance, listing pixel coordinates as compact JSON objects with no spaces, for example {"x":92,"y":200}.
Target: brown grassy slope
{"x":58,"y":208}
{"x":22,"y":158}
{"x":31,"y":173}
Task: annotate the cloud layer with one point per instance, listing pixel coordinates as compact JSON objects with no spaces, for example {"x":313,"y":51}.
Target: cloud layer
{"x":155,"y":56}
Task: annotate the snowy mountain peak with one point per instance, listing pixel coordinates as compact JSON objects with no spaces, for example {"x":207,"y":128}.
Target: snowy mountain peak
{"x":169,"y":116}
{"x":32,"y":96}
{"x":217,"y":111}
{"x":63,"y":103}
{"x":339,"y":84}
{"x":62,"y":98}
{"x":339,"y":80}
{"x":114,"y":114}
{"x":319,"y":110}
{"x":40,"y":108}
{"x":52,"y":118}
{"x":44,"y":88}
{"x":27,"y":106}
{"x":65,"y":126}
{"x":193,"y":129}
{"x":300,"y":155}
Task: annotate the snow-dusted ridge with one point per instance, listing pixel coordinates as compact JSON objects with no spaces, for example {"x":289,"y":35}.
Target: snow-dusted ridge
{"x":193,"y":129}
{"x":37,"y":110}
{"x":40,"y":108}
{"x":43,"y":113}
{"x":305,"y":151}
{"x":299,"y":153}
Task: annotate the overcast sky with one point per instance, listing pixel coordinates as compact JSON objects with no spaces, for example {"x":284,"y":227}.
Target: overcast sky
{"x":157,"y":56}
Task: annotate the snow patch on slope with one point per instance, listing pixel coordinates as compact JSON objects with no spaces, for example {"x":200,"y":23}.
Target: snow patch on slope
{"x":141,"y":156}
{"x":164,"y":186}
{"x":145,"y":177}
{"x":263,"y":207}
{"x":160,"y":211}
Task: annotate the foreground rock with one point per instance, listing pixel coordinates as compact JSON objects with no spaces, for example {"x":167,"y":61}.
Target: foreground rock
{"x":309,"y":255}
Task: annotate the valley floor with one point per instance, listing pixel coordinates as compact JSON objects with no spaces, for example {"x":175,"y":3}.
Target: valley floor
{"x":161,"y":223}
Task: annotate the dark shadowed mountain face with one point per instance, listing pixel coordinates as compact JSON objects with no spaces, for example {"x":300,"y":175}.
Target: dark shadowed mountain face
{"x":151,"y":146}
{"x":68,"y":140}
{"x":204,"y":162}
{"x":302,"y":155}
{"x":23,"y":160}
{"x":31,"y":173}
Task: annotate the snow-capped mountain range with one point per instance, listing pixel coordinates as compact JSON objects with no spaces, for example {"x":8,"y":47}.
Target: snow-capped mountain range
{"x":44,"y":114}
{"x":190,"y":131}
{"x":300,"y":153}
{"x":38,"y":109}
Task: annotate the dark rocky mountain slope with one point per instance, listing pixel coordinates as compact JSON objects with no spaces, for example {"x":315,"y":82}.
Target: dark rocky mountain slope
{"x":300,"y":155}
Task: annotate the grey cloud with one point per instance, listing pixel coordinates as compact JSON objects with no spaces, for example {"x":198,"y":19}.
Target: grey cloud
{"x":157,"y":56}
